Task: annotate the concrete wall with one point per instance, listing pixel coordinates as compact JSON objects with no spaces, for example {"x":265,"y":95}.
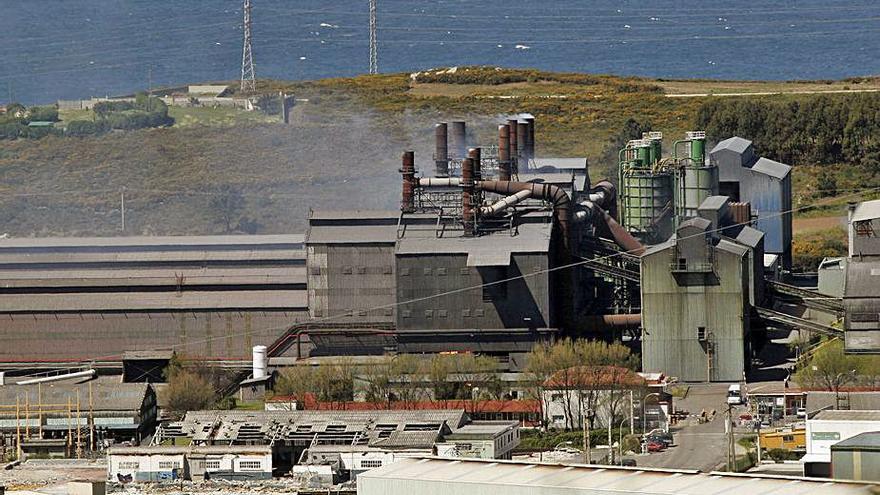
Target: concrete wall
{"x":672,"y":314}
{"x":526,"y":303}
{"x":855,"y":465}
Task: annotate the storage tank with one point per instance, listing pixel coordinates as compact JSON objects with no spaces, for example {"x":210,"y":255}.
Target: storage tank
{"x":261,"y":362}
{"x":655,"y":141}
{"x":695,"y":180}
{"x":645,"y":203}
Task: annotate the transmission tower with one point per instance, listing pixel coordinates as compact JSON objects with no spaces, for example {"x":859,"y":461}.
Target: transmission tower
{"x":248,"y":79}
{"x":374,"y":48}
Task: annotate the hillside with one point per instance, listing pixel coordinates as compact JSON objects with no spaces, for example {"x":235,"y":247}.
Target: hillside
{"x":341,"y":151}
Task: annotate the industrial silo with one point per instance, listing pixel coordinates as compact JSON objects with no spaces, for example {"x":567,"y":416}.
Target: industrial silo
{"x":695,"y":178}
{"x":646,"y":191}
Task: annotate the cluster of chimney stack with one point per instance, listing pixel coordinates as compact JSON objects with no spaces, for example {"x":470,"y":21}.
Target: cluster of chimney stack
{"x":516,"y":145}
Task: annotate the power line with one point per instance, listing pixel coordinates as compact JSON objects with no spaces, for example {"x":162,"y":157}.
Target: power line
{"x":374,"y":42}
{"x":248,"y":78}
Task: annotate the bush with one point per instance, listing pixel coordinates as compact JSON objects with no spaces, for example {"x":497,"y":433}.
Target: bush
{"x":83,"y":128}
{"x":809,"y":249}
{"x":43,"y":114}
{"x":12,"y":130}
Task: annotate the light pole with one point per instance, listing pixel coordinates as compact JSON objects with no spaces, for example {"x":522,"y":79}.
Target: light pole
{"x":620,"y":440}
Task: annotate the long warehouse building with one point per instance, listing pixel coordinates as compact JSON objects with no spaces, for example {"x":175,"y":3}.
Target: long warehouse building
{"x":212,"y":297}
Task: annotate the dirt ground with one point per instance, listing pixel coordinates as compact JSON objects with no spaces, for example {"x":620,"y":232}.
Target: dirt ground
{"x":50,"y":477}
{"x":817,"y":223}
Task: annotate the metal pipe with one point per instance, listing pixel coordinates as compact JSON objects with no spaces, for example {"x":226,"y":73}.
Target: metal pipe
{"x":441,"y":150}
{"x":622,"y":237}
{"x":439,"y":182}
{"x":55,"y":378}
{"x":459,"y":139}
{"x":467,"y":196}
{"x":503,"y":152}
{"x":522,"y":136}
{"x":603,"y":194}
{"x":408,"y":171}
{"x":608,"y":322}
{"x":547,"y":192}
{"x":475,"y":154}
{"x":514,"y":163}
{"x":505,"y":202}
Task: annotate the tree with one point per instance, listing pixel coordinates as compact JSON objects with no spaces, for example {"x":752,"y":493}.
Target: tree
{"x":826,"y":184}
{"x":331,"y":383}
{"x":453,"y":376}
{"x":395,"y":379}
{"x":227,"y":204}
{"x":829,"y":368}
{"x":187,"y":389}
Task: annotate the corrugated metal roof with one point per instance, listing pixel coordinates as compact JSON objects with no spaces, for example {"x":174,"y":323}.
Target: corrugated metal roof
{"x":750,"y":237}
{"x":866,"y":210}
{"x":731,"y":247}
{"x":714,"y":203}
{"x":191,"y":449}
{"x":485,"y":475}
{"x":349,"y":216}
{"x":696,"y":222}
{"x":735,"y":143}
{"x":351,"y":234}
{"x":847,"y":415}
{"x":482,"y":429}
{"x":108,"y":394}
{"x":861,"y":401}
{"x":773,"y":169}
{"x":867,"y":440}
{"x":530,"y":238}
{"x":153,"y":276}
{"x":151,"y":241}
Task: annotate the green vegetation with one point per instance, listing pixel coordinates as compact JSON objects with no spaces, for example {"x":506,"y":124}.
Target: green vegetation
{"x":829,"y":368}
{"x":548,"y":440}
{"x":808,"y":249}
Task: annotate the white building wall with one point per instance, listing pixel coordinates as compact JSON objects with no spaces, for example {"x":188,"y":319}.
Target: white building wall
{"x":822,"y":434}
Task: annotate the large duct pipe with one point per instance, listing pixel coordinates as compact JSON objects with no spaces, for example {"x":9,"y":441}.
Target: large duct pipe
{"x":440,"y":182}
{"x":547,"y":192}
{"x":467,"y":196}
{"x":503,"y":152}
{"x":511,"y":132}
{"x":599,"y":323}
{"x":505,"y":203}
{"x":55,"y":378}
{"x":603,"y":194}
{"x":476,"y":154}
{"x":441,"y":150}
{"x":408,"y":171}
{"x":622,"y":237}
{"x":522,"y":137}
{"x":459,"y":139}
{"x":530,"y":138}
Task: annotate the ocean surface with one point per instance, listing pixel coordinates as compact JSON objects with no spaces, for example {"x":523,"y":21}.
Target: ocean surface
{"x":80,"y":48}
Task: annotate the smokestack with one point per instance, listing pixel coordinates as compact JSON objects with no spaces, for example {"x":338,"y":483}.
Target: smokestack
{"x":511,"y":132}
{"x":459,"y":139}
{"x":503,"y":152}
{"x":522,"y":137}
{"x":530,"y":138}
{"x":408,"y":170}
{"x":477,"y":196}
{"x":467,"y":196}
{"x":441,"y":150}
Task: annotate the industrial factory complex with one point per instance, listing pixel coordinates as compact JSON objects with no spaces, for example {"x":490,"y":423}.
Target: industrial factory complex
{"x":685,"y":257}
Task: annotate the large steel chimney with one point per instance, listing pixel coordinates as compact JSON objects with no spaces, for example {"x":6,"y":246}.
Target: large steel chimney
{"x":514,"y":164}
{"x":530,"y":139}
{"x":503,"y":152}
{"x":441,"y":150}
{"x":467,"y":196}
{"x":459,"y":139}
{"x":522,"y":137}
{"x":408,"y":170}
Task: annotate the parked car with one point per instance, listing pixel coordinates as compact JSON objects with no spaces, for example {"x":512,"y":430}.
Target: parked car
{"x":745,"y":417}
{"x":802,"y":413}
{"x":628,"y":462}
{"x":655,"y":446}
{"x":661,"y":437}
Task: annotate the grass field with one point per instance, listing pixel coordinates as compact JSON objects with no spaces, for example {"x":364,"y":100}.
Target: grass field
{"x":342,"y":150}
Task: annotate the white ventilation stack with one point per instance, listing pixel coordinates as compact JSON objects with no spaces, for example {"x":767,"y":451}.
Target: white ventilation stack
{"x":261,"y":363}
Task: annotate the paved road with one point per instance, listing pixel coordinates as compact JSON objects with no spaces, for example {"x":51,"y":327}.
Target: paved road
{"x":769,"y":93}
{"x":697,"y":446}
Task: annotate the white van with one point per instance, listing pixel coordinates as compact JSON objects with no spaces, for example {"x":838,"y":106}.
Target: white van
{"x":734,"y":394}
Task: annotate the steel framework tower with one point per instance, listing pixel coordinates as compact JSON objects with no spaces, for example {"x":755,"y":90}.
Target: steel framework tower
{"x":374,"y":48}
{"x":248,"y":79}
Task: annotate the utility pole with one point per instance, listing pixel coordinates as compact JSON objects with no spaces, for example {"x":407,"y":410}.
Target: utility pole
{"x":150,"y":86}
{"x":731,"y":456}
{"x":248,"y":78}
{"x":374,"y":48}
{"x":122,"y":206}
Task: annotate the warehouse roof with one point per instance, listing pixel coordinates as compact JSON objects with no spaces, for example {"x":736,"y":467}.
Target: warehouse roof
{"x":773,"y":169}
{"x":108,"y":394}
{"x":846,"y":415}
{"x":736,"y":144}
{"x":154,"y":301}
{"x":862,"y":401}
{"x":750,"y":237}
{"x":714,"y":203}
{"x":866,"y":210}
{"x":348,"y":216}
{"x":151,"y":242}
{"x":191,"y":449}
{"x":495,"y":475}
{"x":869,"y":440}
{"x":351,"y":234}
{"x":482,"y":429}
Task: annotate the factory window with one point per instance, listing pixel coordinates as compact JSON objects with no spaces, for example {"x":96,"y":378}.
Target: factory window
{"x":788,"y":438}
{"x":404,"y":272}
{"x":250,"y":465}
{"x":426,"y":270}
{"x":318,"y":312}
{"x":387,"y":270}
{"x":406,"y":313}
{"x":429,"y":313}
{"x":465,"y":313}
{"x":442,"y":313}
{"x":441,"y":271}
{"x":212,"y":464}
{"x":346,"y":270}
{"x":701,"y":334}
{"x":168,"y":465}
{"x":129,"y":465}
{"x":303,"y":428}
{"x":371,"y":463}
{"x":464,"y":446}
{"x":557,"y":418}
{"x":362,"y":270}
{"x":335,"y":428}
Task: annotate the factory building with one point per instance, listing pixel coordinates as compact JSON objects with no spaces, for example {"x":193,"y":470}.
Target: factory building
{"x":173,"y":463}
{"x":697,"y":293}
{"x":764,"y":184}
{"x":860,"y":300}
{"x":349,"y":441}
{"x":828,"y":428}
{"x":211,"y":297}
{"x":857,"y":458}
